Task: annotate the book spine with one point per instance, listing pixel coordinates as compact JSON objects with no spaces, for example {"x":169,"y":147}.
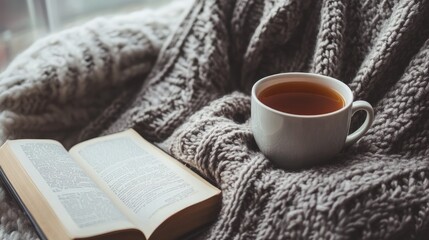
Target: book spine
{"x":21,"y":204}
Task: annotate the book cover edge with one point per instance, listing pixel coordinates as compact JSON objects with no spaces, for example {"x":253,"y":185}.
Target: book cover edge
{"x":17,"y":198}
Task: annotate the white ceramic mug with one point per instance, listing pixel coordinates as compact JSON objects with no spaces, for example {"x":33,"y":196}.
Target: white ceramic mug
{"x":293,"y":141}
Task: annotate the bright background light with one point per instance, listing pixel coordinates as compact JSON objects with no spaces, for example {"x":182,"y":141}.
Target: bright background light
{"x":23,"y":21}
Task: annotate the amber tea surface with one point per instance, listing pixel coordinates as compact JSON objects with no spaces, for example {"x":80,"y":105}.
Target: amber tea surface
{"x":302,"y":98}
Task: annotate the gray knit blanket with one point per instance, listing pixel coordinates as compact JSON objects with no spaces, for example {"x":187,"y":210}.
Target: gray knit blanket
{"x":181,"y":76}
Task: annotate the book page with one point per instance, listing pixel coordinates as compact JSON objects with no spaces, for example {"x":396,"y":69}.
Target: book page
{"x":149,"y":183}
{"x":82,"y":207}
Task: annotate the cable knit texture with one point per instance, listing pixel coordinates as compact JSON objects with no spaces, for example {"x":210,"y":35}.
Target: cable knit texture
{"x":181,"y":76}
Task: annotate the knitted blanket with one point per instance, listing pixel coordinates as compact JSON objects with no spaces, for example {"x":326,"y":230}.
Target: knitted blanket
{"x":181,"y":76}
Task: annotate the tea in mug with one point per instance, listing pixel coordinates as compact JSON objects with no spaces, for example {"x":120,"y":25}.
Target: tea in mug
{"x":301,"y":98}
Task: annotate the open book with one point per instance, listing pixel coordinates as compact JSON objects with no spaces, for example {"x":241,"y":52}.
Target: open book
{"x":113,"y":187}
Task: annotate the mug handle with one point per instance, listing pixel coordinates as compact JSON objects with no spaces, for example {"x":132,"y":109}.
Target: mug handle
{"x":358,"y":106}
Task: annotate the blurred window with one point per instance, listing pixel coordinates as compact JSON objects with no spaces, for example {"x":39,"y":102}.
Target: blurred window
{"x":23,"y":21}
